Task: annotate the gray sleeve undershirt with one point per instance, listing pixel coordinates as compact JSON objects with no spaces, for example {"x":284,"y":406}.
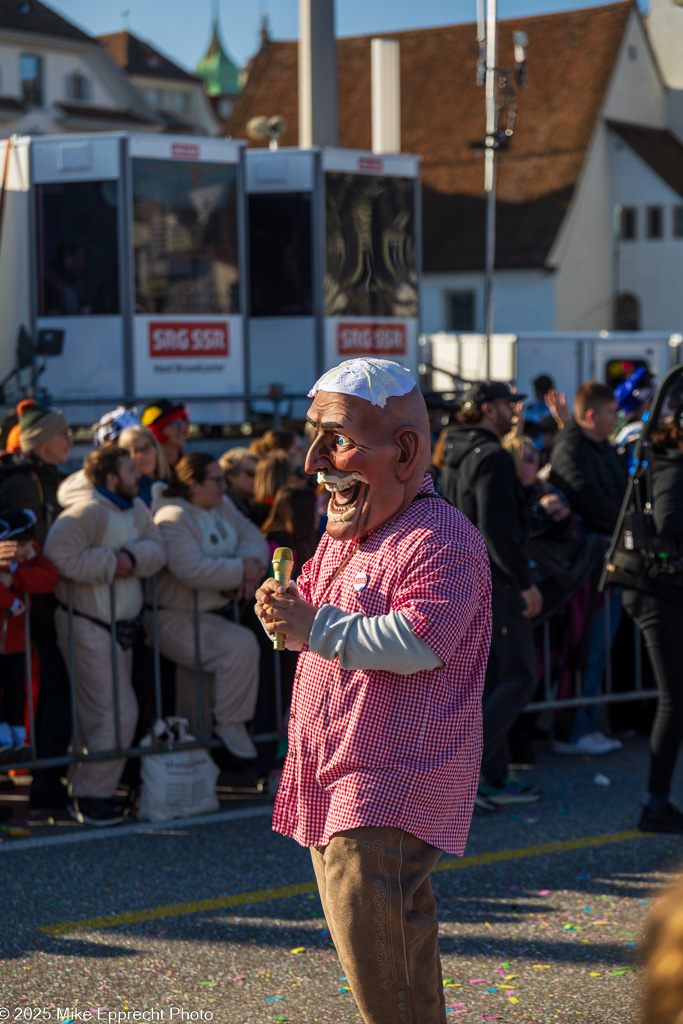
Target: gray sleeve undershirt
{"x":383,"y":642}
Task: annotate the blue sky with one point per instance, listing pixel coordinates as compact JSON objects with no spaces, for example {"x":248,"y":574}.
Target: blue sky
{"x":181,"y":29}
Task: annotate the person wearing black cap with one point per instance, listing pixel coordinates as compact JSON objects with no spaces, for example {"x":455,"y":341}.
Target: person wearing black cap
{"x":479,"y":478}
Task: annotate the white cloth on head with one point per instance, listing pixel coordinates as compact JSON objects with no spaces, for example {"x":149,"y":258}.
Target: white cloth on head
{"x":375,"y":380}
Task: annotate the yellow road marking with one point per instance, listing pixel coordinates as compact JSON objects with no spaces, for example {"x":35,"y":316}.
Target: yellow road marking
{"x":264,"y":895}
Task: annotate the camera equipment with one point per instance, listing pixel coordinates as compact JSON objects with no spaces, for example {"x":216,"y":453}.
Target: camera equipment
{"x":637,"y":554}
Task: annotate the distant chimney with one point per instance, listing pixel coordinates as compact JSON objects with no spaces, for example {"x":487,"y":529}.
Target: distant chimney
{"x":318,"y":125}
{"x":385,"y":56}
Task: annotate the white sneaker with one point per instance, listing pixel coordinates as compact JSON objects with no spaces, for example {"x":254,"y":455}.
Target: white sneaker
{"x":236,"y":739}
{"x":610,"y":741}
{"x":593,"y":744}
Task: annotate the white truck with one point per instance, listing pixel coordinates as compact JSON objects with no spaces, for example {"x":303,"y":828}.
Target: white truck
{"x":134,"y":266}
{"x":449,"y":361}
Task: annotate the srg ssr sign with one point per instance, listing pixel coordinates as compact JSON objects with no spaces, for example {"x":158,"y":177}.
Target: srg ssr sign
{"x":188,"y":339}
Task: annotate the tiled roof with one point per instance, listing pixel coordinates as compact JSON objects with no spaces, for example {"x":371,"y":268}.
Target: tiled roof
{"x":658,"y":148}
{"x":571,"y":57}
{"x":137,"y":57}
{"x":32,"y":16}
{"x":87,"y":112}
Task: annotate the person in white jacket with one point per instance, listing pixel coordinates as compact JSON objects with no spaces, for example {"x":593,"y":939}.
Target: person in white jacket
{"x":213,"y":549}
{"x":105,"y":542}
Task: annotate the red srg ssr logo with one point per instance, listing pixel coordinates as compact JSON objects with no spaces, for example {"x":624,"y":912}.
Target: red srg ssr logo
{"x":371,"y":339}
{"x":206,"y":339}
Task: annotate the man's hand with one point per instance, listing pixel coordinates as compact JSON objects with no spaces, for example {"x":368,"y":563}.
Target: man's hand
{"x":284,"y":611}
{"x":555,"y":507}
{"x":124,"y":565}
{"x":8,"y":553}
{"x":253,"y":574}
{"x":533,"y":599}
{"x":559,"y":409}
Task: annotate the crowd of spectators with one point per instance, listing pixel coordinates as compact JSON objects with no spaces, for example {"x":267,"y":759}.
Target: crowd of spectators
{"x":542,"y":483}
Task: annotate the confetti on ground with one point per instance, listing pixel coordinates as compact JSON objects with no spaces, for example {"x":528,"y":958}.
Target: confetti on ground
{"x":299,"y":949}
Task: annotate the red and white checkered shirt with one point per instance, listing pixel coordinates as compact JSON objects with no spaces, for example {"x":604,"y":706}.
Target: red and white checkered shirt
{"x":377,"y":748}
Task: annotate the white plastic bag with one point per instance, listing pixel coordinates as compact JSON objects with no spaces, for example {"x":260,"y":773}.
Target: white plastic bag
{"x":180,"y":783}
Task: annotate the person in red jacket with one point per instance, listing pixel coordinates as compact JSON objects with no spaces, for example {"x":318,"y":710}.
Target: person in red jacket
{"x":23,"y":571}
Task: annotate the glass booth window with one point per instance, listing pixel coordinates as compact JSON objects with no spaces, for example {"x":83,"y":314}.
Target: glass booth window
{"x":78,"y":248}
{"x":370,"y":246}
{"x":280,"y":266}
{"x":185,"y":237}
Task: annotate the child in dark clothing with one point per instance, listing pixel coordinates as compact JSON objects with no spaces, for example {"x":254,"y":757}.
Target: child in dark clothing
{"x":23,"y":571}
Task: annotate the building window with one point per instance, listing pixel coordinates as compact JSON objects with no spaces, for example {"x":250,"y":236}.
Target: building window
{"x":654,"y":222}
{"x":181,"y":101}
{"x":460,"y":311}
{"x":678,"y":222}
{"x":628,"y":223}
{"x":154,"y":97}
{"x":225,"y":107}
{"x":77,"y":87}
{"x":627,"y":313}
{"x":31,"y":75}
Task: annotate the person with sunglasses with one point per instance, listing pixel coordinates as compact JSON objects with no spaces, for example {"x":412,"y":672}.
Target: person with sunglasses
{"x":239,"y":466}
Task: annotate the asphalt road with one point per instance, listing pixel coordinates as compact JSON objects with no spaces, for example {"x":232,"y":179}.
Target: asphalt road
{"x":219,"y":919}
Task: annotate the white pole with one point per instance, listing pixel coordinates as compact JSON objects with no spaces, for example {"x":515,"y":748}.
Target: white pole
{"x":385,"y":58}
{"x":490,"y":174}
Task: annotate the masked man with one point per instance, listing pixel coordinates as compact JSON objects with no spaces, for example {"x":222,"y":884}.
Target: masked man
{"x":392,"y":616}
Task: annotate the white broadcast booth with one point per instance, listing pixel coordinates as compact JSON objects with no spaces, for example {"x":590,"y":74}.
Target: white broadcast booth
{"x":334,"y":262}
{"x":121,"y":258}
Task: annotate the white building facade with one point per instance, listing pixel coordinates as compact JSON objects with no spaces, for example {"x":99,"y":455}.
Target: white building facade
{"x":617,"y":260}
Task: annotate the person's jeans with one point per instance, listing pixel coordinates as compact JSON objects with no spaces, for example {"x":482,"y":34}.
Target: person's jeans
{"x":379,"y":906}
{"x":510,"y":678}
{"x":588,"y":718}
{"x":662,"y":627}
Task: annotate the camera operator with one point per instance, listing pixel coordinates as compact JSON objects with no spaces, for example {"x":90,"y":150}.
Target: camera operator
{"x":657,"y":608}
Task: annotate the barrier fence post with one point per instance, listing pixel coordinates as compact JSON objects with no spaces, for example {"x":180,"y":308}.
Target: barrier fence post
{"x":608,"y":640}
{"x":29,"y":674}
{"x":638,"y":657}
{"x":547,"y":680}
{"x":115,"y":666}
{"x":156,"y":659}
{"x":72,"y":664}
{"x":198,"y":665}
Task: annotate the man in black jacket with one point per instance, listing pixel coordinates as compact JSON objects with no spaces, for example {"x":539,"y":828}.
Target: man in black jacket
{"x":479,"y":478}
{"x":592,"y":476}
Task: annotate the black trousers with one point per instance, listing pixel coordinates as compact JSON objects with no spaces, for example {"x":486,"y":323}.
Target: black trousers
{"x":510,"y":678}
{"x":12,"y":697}
{"x":661,"y":624}
{"x":53,"y":707}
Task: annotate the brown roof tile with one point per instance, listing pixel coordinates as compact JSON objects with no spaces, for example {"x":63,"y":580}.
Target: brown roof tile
{"x":571,"y":57}
{"x":138,"y":57}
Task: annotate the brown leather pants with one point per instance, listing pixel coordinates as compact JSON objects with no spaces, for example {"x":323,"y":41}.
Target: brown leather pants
{"x":380,"y":909}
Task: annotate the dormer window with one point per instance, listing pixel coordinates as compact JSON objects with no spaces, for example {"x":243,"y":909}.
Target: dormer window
{"x":77,"y":87}
{"x":31,"y":76}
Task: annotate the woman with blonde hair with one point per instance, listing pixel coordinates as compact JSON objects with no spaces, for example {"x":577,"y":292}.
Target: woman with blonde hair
{"x":272,"y":472}
{"x":149,"y":458}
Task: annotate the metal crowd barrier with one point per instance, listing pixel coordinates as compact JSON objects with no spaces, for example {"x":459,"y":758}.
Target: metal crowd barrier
{"x":77,"y":754}
{"x":550,"y":699}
